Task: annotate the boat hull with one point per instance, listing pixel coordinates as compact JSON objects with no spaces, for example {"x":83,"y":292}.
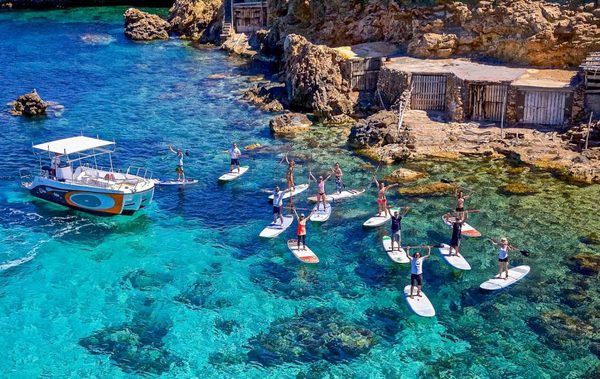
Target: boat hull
{"x":92,"y":200}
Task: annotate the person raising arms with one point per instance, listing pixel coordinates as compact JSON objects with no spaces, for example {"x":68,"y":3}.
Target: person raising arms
{"x":416,"y":270}
{"x":320,"y":189}
{"x":179,"y":168}
{"x":381,"y":197}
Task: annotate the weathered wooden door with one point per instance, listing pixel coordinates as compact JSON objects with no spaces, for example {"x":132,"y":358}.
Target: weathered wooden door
{"x":365,"y":73}
{"x":544,"y":107}
{"x":487,"y":102}
{"x":428,"y":92}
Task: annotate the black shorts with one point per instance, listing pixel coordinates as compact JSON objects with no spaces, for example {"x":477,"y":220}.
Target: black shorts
{"x":321,"y":193}
{"x":460,"y":209}
{"x":503,"y":259}
{"x":416,"y":280}
{"x":235,"y":162}
{"x":276,"y":210}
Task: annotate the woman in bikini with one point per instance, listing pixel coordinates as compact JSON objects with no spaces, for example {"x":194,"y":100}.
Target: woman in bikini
{"x":381,"y":198}
{"x":460,"y":204}
{"x":289,"y":176}
{"x":321,"y":197}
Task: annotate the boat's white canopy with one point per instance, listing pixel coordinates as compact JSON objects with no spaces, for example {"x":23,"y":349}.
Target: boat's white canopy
{"x":72,"y":145}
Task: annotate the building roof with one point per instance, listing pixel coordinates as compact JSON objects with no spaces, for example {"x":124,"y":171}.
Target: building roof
{"x":479,"y":72}
{"x":72,"y":145}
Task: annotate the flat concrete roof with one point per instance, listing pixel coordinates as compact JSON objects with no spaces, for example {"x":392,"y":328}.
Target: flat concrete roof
{"x":472,"y":71}
{"x":368,"y":50}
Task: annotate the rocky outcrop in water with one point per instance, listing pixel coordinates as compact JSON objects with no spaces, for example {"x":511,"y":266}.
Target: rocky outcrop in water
{"x":523,"y":31}
{"x":290,"y":124}
{"x":376,"y":130}
{"x":142,"y":26}
{"x":197,"y":19}
{"x":315,"y":78}
{"x":30,"y":104}
{"x":403,"y":175}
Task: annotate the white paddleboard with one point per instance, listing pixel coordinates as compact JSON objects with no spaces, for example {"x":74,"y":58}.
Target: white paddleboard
{"x":174,"y":182}
{"x":320,"y":214}
{"x":298,"y":189}
{"x":514,"y":275}
{"x":398,"y":256}
{"x":273,"y":230}
{"x":339,"y":196}
{"x":467,"y":230}
{"x":234,"y":174}
{"x":304,"y":255}
{"x":376,"y":221}
{"x":457,"y":261}
{"x":420,"y":305}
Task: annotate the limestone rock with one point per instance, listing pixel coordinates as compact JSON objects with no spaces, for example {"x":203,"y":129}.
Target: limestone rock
{"x":431,"y":189}
{"x":586,"y":263}
{"x":268,"y":96}
{"x":376,"y":130}
{"x":433,"y":45}
{"x":30,"y":104}
{"x":403,"y":175}
{"x":521,"y":189}
{"x":197,"y":19}
{"x":290,"y":124}
{"x":142,"y":26}
{"x":314,"y":77}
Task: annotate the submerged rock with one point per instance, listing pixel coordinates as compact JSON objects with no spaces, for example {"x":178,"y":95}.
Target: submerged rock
{"x":403,"y":175}
{"x":135,"y":348}
{"x":30,"y":104}
{"x":586,"y":263}
{"x":290,"y":124}
{"x":202,"y":294}
{"x":520,"y":189}
{"x":431,"y":189}
{"x":315,"y":78}
{"x":142,"y":26}
{"x":146,"y":281}
{"x":316,"y":334}
{"x":590,"y":239}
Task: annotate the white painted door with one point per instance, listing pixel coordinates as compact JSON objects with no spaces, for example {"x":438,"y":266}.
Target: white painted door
{"x":544,"y":107}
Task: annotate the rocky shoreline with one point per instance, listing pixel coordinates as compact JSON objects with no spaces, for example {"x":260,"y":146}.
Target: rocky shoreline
{"x":313,"y":75}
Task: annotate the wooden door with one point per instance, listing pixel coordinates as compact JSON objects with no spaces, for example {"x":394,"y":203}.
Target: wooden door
{"x":487,"y":101}
{"x":544,"y":107}
{"x":428,"y":92}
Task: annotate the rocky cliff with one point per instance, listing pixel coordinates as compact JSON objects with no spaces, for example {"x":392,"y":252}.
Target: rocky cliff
{"x":530,"y":32}
{"x":314,"y":78}
{"x":197,"y":19}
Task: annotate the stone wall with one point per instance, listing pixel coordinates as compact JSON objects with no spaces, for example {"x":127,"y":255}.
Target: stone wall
{"x":391,"y":84}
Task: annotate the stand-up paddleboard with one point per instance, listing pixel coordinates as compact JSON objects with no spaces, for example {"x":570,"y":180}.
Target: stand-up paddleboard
{"x":304,"y":255}
{"x":233,"y":175}
{"x":175,"y":182}
{"x":514,"y":275}
{"x":298,"y":189}
{"x":376,"y":221}
{"x":420,"y":305}
{"x":275,"y":229}
{"x":320,"y":214}
{"x":467,"y":230}
{"x":457,"y":261}
{"x":398,"y":256}
{"x":339,"y":196}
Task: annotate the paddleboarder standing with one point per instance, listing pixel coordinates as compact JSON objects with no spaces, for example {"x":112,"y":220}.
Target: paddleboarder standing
{"x":416,"y":269}
{"x":278,"y":204}
{"x":503,"y":250}
{"x":337,"y":172}
{"x":234,"y":154}
{"x":381,"y":198}
{"x":301,"y":231}
{"x":321,"y":198}
{"x":460,"y":203}
{"x":397,"y":227}
{"x":456,"y":234}
{"x":179,"y":167}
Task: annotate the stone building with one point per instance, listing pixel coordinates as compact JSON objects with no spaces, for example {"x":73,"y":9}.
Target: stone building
{"x":245,"y":16}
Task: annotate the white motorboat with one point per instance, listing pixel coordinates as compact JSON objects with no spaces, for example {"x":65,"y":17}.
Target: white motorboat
{"x":83,"y":185}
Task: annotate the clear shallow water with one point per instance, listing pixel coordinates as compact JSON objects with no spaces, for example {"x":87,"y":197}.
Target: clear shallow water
{"x":186,"y":288}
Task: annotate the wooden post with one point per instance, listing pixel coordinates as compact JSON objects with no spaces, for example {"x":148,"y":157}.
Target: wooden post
{"x":587,"y":137}
{"x":503,"y":113}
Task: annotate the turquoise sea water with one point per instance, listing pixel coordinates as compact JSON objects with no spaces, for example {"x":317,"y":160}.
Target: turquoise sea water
{"x":186,"y":288}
